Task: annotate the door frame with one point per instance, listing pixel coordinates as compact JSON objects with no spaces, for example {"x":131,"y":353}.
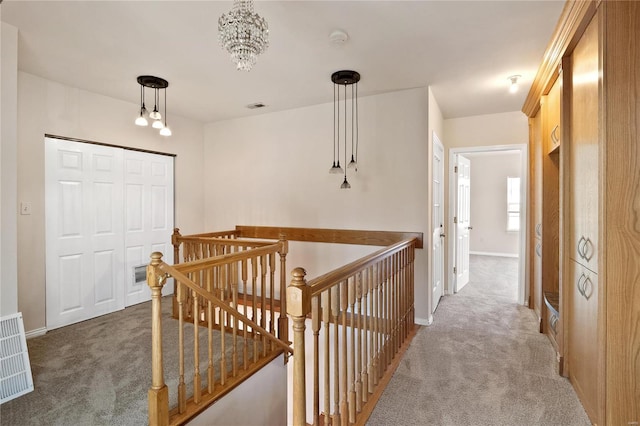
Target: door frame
{"x":523,"y":290}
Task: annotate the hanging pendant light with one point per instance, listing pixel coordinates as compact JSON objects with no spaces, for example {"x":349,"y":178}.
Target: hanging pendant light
{"x":335,"y":168}
{"x":155,"y":83}
{"x":166,"y":131}
{"x":345,"y":78}
{"x":142,"y":119}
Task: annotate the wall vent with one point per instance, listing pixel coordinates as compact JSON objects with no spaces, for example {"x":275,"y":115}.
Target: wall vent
{"x":16,"y":379}
{"x":140,"y":274}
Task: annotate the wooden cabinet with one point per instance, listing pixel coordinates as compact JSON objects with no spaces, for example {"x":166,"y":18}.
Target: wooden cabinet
{"x":597,"y":46}
{"x":553,"y":131}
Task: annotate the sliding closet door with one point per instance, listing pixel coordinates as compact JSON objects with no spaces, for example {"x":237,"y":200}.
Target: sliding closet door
{"x":84,"y":230}
{"x":148,"y":217}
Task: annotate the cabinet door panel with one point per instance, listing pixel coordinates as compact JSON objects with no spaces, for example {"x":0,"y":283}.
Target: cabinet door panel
{"x":583,"y":161}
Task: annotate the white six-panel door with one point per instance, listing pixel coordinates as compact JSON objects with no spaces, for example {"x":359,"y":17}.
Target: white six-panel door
{"x":83,"y":217}
{"x":463,"y":216}
{"x":148,"y":206}
{"x":88,"y":265}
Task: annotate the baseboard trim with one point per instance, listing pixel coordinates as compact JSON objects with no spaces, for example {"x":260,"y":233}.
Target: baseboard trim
{"x":489,"y":253}
{"x":423,"y":321}
{"x":35,"y":333}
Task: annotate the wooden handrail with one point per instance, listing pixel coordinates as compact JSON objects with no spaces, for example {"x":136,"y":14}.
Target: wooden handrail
{"x":321,"y":283}
{"x":171,"y":271}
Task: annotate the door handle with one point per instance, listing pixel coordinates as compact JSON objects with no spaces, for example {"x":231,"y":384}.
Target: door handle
{"x":442,"y":235}
{"x":469,"y":227}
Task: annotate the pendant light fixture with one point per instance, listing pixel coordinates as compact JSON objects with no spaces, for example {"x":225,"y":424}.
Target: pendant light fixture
{"x":155,"y":83}
{"x":345,"y":78}
{"x":244,"y":34}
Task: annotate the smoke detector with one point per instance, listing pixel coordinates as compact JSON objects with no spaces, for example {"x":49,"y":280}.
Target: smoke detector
{"x":338,"y":37}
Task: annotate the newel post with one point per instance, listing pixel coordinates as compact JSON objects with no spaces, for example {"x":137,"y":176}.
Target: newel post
{"x":175,"y":242}
{"x":298,"y":306}
{"x":158,"y":393}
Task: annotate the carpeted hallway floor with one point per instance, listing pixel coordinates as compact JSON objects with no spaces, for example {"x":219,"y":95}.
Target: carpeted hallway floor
{"x":482,"y":362}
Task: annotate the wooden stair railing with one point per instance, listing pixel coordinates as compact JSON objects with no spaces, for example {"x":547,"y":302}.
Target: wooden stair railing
{"x":362,"y":318}
{"x":251,"y":283}
{"x":252,"y":341}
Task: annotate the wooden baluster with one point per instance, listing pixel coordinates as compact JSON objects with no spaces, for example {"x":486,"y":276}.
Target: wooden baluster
{"x":234,"y":321}
{"x":223,"y":347}
{"x":197,"y":382}
{"x":344,"y":301}
{"x":283,"y":319}
{"x":387,"y":316}
{"x":272,"y":284}
{"x":366,"y":358}
{"x":335,"y":312}
{"x":351,"y":348}
{"x":245,"y":352}
{"x":326,"y":320}
{"x":315,"y":327}
{"x":254,"y":307}
{"x":263,"y":299}
{"x":375,"y":297}
{"x":182,"y":399}
{"x":394,"y":303}
{"x":360,"y":340}
{"x":299,"y":305}
{"x":210,"y":367}
{"x":158,"y":395}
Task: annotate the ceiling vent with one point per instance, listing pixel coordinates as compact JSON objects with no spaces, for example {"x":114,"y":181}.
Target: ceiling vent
{"x":256,"y":105}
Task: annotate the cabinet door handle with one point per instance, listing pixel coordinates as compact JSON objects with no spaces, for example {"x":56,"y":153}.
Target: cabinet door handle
{"x":554,"y":135}
{"x":580,"y":284}
{"x":539,"y":230}
{"x":553,"y":323}
{"x":539,"y":249}
{"x":587,"y":292}
{"x":587,"y":250}
{"x":581,"y":242}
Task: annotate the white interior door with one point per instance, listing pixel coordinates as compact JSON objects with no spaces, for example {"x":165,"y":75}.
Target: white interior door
{"x":437,"y":223}
{"x":462,"y":219}
{"x":84,"y":228}
{"x":148,"y":218}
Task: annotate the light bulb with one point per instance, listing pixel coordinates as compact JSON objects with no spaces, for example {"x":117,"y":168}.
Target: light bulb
{"x":514,"y":83}
{"x":165,"y":131}
{"x":155,"y":115}
{"x":141,"y":121}
{"x":157,"y":124}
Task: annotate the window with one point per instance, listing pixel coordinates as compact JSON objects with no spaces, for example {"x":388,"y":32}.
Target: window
{"x":513,"y":204}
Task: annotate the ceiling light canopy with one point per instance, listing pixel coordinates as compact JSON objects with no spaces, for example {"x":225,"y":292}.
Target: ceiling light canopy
{"x":155,"y":83}
{"x":345,"y":78}
{"x":244,"y":34}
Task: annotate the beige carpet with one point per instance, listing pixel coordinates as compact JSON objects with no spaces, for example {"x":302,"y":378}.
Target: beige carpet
{"x":482,"y":362}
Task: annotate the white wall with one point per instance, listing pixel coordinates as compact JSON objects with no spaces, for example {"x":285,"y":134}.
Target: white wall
{"x":508,"y":128}
{"x":259,"y":400}
{"x":8,"y":161}
{"x":489,"y":172}
{"x":48,"y":107}
{"x":273,"y":169}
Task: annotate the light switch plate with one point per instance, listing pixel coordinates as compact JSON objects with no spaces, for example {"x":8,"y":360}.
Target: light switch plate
{"x":25,"y":208}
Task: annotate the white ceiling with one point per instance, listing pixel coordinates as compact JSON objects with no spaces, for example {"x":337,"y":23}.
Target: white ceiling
{"x":464,"y":50}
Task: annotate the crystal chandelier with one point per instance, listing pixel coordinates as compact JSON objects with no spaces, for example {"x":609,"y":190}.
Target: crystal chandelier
{"x":243,"y":33}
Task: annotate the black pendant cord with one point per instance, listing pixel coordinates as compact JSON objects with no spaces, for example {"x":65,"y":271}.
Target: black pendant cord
{"x":345,"y":132}
{"x":338,"y":128}
{"x":165,"y":107}
{"x":143,"y":107}
{"x":352,"y":122}
{"x":334,"y":125}
{"x":357,"y":129}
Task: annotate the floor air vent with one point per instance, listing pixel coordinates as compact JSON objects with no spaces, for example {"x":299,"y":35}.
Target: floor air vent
{"x":16,"y":370}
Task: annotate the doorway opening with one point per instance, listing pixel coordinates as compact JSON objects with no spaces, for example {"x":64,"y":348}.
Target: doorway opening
{"x":487,"y":204}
